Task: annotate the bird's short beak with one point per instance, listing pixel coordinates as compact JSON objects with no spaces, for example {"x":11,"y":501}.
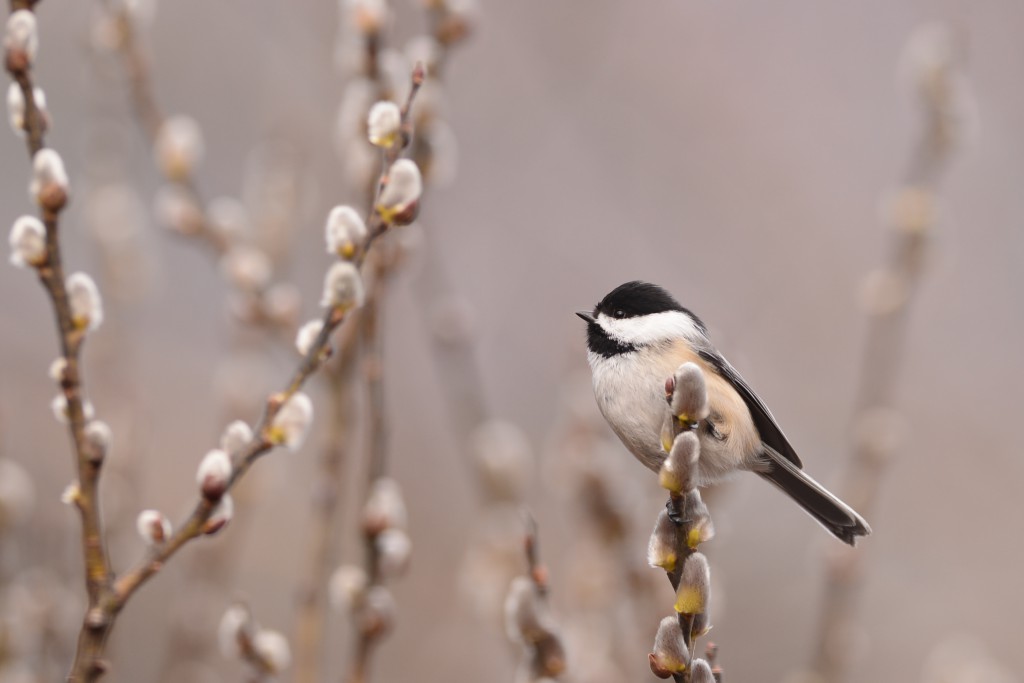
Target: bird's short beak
{"x":586,"y":316}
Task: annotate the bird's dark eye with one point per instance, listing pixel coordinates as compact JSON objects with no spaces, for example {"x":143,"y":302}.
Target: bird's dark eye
{"x":620,"y":313}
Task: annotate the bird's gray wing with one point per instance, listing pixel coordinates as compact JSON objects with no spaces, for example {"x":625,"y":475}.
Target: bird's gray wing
{"x":771,"y":433}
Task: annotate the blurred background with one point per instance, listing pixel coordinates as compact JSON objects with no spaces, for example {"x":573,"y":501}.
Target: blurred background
{"x":736,"y":152}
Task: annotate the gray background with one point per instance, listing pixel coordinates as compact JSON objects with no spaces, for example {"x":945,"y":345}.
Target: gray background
{"x":733,"y":151}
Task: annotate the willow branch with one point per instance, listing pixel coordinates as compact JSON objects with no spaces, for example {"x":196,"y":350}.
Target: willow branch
{"x":114,"y":596}
{"x":196,"y":222}
{"x":889,"y":300}
{"x":72,"y":337}
{"x":528,"y":617}
{"x":152,"y":118}
{"x":373,"y":366}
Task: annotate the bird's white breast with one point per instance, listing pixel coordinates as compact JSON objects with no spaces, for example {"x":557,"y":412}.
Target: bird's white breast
{"x":630,"y":392}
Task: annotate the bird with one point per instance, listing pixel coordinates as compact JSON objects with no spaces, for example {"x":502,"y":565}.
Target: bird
{"x":637,"y":336}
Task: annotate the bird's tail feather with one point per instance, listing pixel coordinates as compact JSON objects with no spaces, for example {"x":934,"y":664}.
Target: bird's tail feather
{"x":833,"y":514}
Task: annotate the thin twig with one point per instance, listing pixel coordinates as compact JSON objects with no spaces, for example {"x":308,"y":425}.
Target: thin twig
{"x":152,"y":118}
{"x":51,"y":273}
{"x":113,"y":596}
{"x":528,"y":616}
{"x":312,"y":612}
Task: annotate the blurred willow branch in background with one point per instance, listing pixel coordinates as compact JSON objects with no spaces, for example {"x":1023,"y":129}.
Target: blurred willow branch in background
{"x":528,"y":619}
{"x":248,"y":238}
{"x":78,"y":310}
{"x":221,"y":225}
{"x":932,"y":67}
{"x":364,"y":115}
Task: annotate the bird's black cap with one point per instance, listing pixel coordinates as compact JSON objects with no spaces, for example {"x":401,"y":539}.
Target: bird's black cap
{"x":630,"y":300}
{"x":638,"y":298}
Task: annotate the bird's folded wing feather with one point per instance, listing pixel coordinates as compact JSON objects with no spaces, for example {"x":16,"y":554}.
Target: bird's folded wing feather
{"x":771,"y":433}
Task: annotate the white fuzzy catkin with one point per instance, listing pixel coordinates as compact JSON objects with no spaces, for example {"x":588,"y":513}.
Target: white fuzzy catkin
{"x":16,"y":107}
{"x":28,"y":242}
{"x":21,"y":34}
{"x":384,"y":124}
{"x":677,"y":470}
{"x":670,"y":655}
{"x":84,"y":300}
{"x":47,"y":172}
{"x":503,"y":454}
{"x":246,"y":267}
{"x":179,"y":146}
{"x":59,"y":405}
{"x":57,"y":368}
{"x":232,"y":622}
{"x":345,"y":231}
{"x":347,"y":587}
{"x":291,"y":424}
{"x":213,"y":473}
{"x":282,"y":303}
{"x":690,"y":397}
{"x":424,"y":49}
{"x":701,"y":672}
{"x":369,"y":16}
{"x":153,"y":526}
{"x":385,"y":506}
{"x":272,"y":647}
{"x":228,"y":217}
{"x":220,"y":515}
{"x":71,"y":493}
{"x":307,"y":334}
{"x":378,"y":613}
{"x":394,"y":549}
{"x":343,"y":287}
{"x":99,"y":436}
{"x":176,"y":211}
{"x":236,"y":436}
{"x":694,"y":586}
{"x":661,"y":548}
{"x":403,"y":189}
{"x":525,"y":620}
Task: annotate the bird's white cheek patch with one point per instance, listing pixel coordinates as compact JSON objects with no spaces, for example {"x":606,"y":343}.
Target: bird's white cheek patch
{"x":651,"y":328}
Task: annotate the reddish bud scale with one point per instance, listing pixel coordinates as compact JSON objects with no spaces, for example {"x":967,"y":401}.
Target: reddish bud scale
{"x":52,"y":198}
{"x":17,"y":62}
{"x":213,"y":526}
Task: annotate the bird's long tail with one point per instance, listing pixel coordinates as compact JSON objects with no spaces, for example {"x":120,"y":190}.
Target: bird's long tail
{"x":833,"y":514}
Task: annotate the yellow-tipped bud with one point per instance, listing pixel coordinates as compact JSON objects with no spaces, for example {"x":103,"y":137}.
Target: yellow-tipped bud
{"x":670,"y":655}
{"x":661,"y":549}
{"x":689,"y":399}
{"x":699,"y":527}
{"x":399,"y":199}
{"x":694,"y":591}
{"x":345,"y":232}
{"x":85,"y":302}
{"x":153,"y":527}
{"x":676,"y":472}
{"x":384,"y":124}
{"x":701,"y":672}
{"x":272,"y":649}
{"x":291,"y":424}
{"x":28,"y":242}
{"x":385,"y":507}
{"x":343,"y":287}
{"x":179,"y":147}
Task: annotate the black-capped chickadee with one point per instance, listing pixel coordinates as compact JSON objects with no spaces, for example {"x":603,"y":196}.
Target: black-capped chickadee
{"x":636,"y":338}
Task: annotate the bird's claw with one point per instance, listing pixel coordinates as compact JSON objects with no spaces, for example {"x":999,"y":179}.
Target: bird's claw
{"x":674,"y":513}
